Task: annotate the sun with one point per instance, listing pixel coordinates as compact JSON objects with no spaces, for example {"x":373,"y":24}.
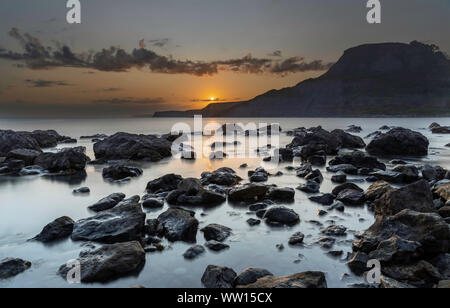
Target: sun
{"x":212,"y":98}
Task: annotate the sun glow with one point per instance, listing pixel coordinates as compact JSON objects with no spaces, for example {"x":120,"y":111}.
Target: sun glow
{"x":212,"y":98}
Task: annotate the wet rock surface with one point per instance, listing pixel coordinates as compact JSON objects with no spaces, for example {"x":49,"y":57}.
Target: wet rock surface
{"x":399,"y":141}
{"x":58,"y":229}
{"x":10,"y":267}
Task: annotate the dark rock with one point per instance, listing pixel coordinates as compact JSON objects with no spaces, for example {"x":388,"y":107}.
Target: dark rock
{"x":443,"y":191}
{"x":243,"y":166}
{"x":346,"y":168}
{"x":326,"y":199}
{"x":421,"y":274}
{"x":334,"y":230}
{"x":376,"y":190}
{"x":216,"y":232}
{"x":82,"y":190}
{"x":259,"y":175}
{"x":133,"y":147}
{"x":345,"y":186}
{"x":250,"y":275}
{"x":339,"y":178}
{"x":120,"y":172}
{"x":338,"y":205}
{"x":123,"y":223}
{"x":260,"y":213}
{"x":10,"y":267}
{"x":416,"y":197}
{"x":441,"y":130}
{"x":349,"y":141}
{"x":317,"y":160}
{"x":217,"y":155}
{"x":216,"y":246}
{"x":95,"y":136}
{"x":317,"y":135}
{"x":399,"y":141}
{"x":306,"y":280}
{"x":10,"y":140}
{"x":444,"y":211}
{"x":216,"y":277}
{"x":69,"y":159}
{"x":358,"y":263}
{"x":277,"y":194}
{"x":107,"y":203}
{"x":432,"y":174}
{"x":56,"y":230}
{"x":351,"y":197}
{"x":322,"y":212}
{"x":248,"y":193}
{"x":47,"y":138}
{"x":222,"y":176}
{"x":177,"y":224}
{"x":26,"y":155}
{"x":304,"y":170}
{"x":190,"y":192}
{"x":281,"y":215}
{"x":194,"y":252}
{"x":410,"y":172}
{"x":109,"y":262}
{"x":310,"y":187}
{"x":296,"y":238}
{"x":258,"y":206}
{"x":384,"y":127}
{"x":315,"y":175}
{"x":165,"y":183}
{"x":359,"y":160}
{"x":253,"y":222}
{"x":354,"y":129}
{"x":153,"y":203}
{"x":326,"y":242}
{"x":188,"y":155}
{"x":397,"y":250}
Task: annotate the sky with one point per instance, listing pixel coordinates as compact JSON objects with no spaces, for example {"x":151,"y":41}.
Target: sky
{"x":132,"y":58}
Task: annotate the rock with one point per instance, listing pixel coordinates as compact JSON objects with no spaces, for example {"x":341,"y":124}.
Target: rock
{"x":335,"y":253}
{"x":10,"y":141}
{"x":444,"y":211}
{"x":216,"y":246}
{"x":441,"y":130}
{"x":339,"y":178}
{"x":305,"y":280}
{"x":410,"y":172}
{"x":285,"y":154}
{"x":421,"y":274}
{"x":190,"y":192}
{"x":443,"y":192}
{"x":124,"y":146}
{"x":326,"y":242}
{"x":260,"y":213}
{"x":296,"y":238}
{"x":107,"y":203}
{"x":26,"y":155}
{"x":359,"y":160}
{"x":258,"y":206}
{"x":349,"y":141}
{"x":48,"y":138}
{"x":444,"y":284}
{"x":217,"y":155}
{"x":310,"y":187}
{"x":351,"y":197}
{"x":120,"y":172}
{"x":10,"y":267}
{"x":434,"y":125}
{"x":397,"y":250}
{"x":281,"y":215}
{"x":317,"y":160}
{"x":399,"y":141}
{"x":253,"y":222}
{"x":277,"y":194}
{"x":316,"y":135}
{"x":346,"y":168}
{"x":216,"y":232}
{"x":429,"y":229}
{"x":109,"y":262}
{"x":165,"y":183}
{"x":384,"y":127}
{"x":358,"y":263}
{"x":389,"y":283}
{"x":194,"y":252}
{"x":68,"y":159}
{"x":338,"y":205}
{"x":222,"y":176}
{"x":216,"y":277}
{"x":376,"y":190}
{"x":248,"y":193}
{"x":416,"y":197}
{"x":345,"y":186}
{"x":178,"y":224}
{"x":95,"y":136}
{"x":389,"y":176}
{"x":325,"y":199}
{"x":153,"y":203}
{"x":82,"y":190}
{"x":250,"y":275}
{"x":123,"y":223}
{"x":188,"y":155}
{"x":304,"y":170}
{"x":354,"y":129}
{"x":432,"y":174}
{"x":259,"y":175}
{"x":334,"y":230}
{"x":243,"y":166}
{"x":322,"y":212}
{"x":56,"y":230}
{"x":315,"y":175}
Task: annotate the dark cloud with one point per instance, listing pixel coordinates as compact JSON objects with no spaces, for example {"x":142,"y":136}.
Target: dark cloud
{"x":112,"y":90}
{"x":39,"y":83}
{"x":130,"y":101}
{"x":276,"y":53}
{"x":196,"y":100}
{"x":115,"y":59}
{"x":160,"y":42}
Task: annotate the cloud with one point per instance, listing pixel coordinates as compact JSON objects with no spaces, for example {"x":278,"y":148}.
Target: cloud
{"x":130,"y":101}
{"x":39,"y":83}
{"x":115,"y":59}
{"x":276,"y":53}
{"x":197,"y":100}
{"x":159,"y":42}
{"x":111,"y":89}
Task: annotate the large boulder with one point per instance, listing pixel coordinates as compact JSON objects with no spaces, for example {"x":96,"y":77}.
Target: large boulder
{"x":248,"y":193}
{"x":120,"y":172}
{"x":107,"y":202}
{"x":399,"y":141}
{"x":429,"y":229}
{"x":165,"y":183}
{"x":420,"y":274}
{"x":109,"y":262}
{"x":26,"y":155}
{"x":48,"y":138}
{"x":178,"y":224}
{"x":351,"y":197}
{"x":10,"y":140}
{"x":416,"y":197}
{"x":56,"y":230}
{"x":133,"y":147}
{"x":376,"y":190}
{"x":349,"y":141}
{"x":358,"y":159}
{"x":306,"y":280}
{"x":397,"y":250}
{"x":222,"y":176}
{"x":10,"y":267}
{"x":316,"y":135}
{"x":123,"y":223}
{"x":216,"y":277}
{"x":65,"y":160}
{"x":190,"y":192}
{"x":281,"y":215}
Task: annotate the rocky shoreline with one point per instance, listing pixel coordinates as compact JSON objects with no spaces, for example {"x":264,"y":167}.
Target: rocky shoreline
{"x":410,"y":203}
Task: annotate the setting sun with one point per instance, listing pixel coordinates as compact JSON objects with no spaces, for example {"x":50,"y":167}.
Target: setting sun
{"x":212,"y":98}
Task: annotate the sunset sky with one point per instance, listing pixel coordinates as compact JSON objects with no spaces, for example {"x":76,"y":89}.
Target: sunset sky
{"x":131,"y":58}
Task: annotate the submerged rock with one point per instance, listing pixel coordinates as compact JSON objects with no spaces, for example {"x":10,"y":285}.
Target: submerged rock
{"x":194,"y":252}
{"x":216,"y":246}
{"x":399,"y":141}
{"x":306,"y":280}
{"x":56,"y":230}
{"x":334,"y":230}
{"x":120,"y":172}
{"x":216,"y":277}
{"x":248,"y":193}
{"x":222,"y":176}
{"x":296,"y":238}
{"x":277,"y":194}
{"x":178,"y":224}
{"x":109,"y":262}
{"x":216,"y":232}
{"x":10,"y":267}
{"x":310,"y":187}
{"x":325,"y":199}
{"x":281,"y":215}
{"x":165,"y":183}
{"x":190,"y":192}
{"x":82,"y":190}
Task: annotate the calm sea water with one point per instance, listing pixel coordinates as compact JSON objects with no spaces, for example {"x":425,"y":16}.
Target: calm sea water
{"x":28,"y":204}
